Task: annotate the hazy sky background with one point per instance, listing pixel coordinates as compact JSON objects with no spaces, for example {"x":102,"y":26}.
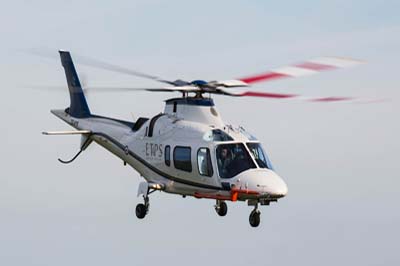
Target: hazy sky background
{"x":340,"y":161}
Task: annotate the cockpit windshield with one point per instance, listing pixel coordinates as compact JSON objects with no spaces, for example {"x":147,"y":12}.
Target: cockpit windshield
{"x":233,"y":159}
{"x":259,"y":155}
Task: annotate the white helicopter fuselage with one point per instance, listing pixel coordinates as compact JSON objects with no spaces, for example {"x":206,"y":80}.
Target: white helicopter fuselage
{"x":177,"y":151}
{"x":187,"y":149}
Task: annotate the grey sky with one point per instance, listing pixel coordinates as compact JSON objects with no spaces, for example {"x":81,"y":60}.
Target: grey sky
{"x":340,"y":161}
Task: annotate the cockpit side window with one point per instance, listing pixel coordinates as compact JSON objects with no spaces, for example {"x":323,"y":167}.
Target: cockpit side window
{"x":204,"y":162}
{"x":233,"y":159}
{"x":259,"y":155}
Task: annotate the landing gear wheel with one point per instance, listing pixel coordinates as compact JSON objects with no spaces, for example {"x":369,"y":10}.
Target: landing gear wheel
{"x":254,"y":218}
{"x":221,"y":208}
{"x":141,"y":211}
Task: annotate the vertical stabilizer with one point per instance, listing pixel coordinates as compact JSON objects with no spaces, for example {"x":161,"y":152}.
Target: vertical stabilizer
{"x":78,"y":106}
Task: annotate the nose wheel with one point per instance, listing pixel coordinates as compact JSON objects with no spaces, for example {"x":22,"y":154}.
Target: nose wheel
{"x":221,"y":208}
{"x":254,"y":218}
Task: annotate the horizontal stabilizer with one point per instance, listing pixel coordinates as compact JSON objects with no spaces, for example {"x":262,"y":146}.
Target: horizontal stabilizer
{"x":67,"y":132}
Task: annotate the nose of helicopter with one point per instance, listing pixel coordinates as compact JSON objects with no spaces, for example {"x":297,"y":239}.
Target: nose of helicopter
{"x":264,"y":181}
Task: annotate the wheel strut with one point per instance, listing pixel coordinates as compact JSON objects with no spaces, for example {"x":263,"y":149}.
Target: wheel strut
{"x":143,"y":208}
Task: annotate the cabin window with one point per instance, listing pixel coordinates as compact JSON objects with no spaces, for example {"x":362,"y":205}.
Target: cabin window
{"x":167,"y":155}
{"x":204,"y":162}
{"x":182,"y":158}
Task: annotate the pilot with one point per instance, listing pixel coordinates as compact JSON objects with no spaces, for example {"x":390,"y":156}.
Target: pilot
{"x":223,"y":161}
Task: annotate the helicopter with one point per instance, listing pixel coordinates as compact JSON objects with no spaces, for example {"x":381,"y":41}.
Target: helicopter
{"x":187,"y":149}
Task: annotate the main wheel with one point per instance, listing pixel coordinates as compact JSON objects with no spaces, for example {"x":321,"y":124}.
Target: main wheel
{"x":141,"y":211}
{"x":222,"y":209}
{"x":254,"y":218}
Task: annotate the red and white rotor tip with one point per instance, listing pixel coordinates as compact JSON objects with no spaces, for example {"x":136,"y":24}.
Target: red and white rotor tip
{"x":284,"y":96}
{"x":307,"y":68}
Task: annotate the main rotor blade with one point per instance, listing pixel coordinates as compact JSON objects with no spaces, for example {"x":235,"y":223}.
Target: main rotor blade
{"x":307,"y":68}
{"x":284,"y":96}
{"x":131,"y":89}
{"x":91,"y":62}
{"x":91,"y":89}
{"x":84,"y":60}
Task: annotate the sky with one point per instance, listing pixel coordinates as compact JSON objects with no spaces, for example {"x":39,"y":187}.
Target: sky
{"x":340,"y":160}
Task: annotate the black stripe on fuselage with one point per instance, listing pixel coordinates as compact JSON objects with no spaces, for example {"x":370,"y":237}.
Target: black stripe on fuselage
{"x":152,"y":124}
{"x":154,"y":169}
